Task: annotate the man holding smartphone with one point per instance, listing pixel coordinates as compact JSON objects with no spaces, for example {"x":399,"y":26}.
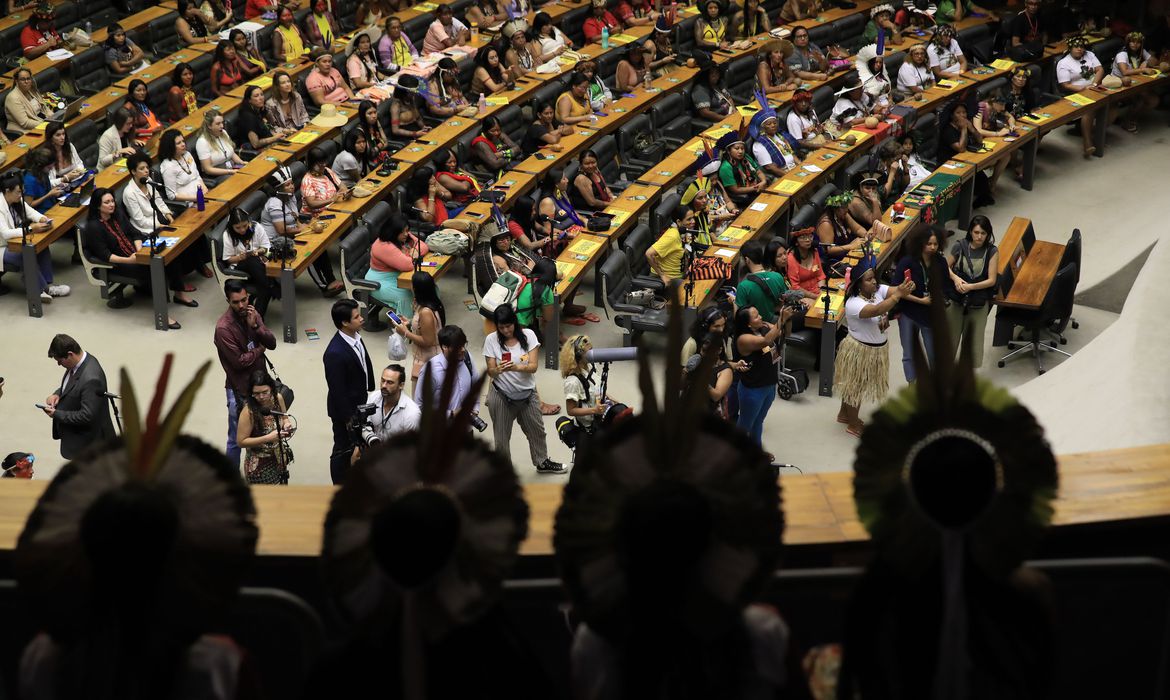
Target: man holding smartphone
{"x":241,"y":339}
{"x":78,"y":408}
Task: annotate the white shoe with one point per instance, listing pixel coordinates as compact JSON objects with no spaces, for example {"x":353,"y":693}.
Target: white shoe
{"x":45,"y":298}
{"x":59,"y":290}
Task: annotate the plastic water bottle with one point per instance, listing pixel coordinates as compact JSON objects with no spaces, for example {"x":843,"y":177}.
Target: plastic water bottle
{"x":482,"y":103}
{"x":474,"y":31}
{"x":89,"y":28}
{"x":200,"y":203}
{"x":605,"y":37}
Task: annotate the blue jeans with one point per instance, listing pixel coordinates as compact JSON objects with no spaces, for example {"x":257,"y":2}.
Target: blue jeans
{"x":15,"y":261}
{"x":754,"y":403}
{"x":906,"y":327}
{"x":233,"y":406}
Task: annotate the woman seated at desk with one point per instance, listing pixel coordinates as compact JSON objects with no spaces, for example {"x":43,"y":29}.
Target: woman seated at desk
{"x":181,"y":98}
{"x":191,"y":24}
{"x":406,"y":110}
{"x":544,"y":132}
{"x":739,"y":172}
{"x":445,"y":89}
{"x":324,"y":83}
{"x":573,"y":105}
{"x":493,"y":148}
{"x":146,"y":123}
{"x":254,"y":126}
{"x":804,"y":266}
{"x":288,"y":43}
{"x":490,"y":77}
{"x":395,"y":252}
{"x":280,"y":217}
{"x":144,"y":204}
{"x":251,"y":62}
{"x":590,"y":191}
{"x":355,"y":159}
{"x":216,"y":152}
{"x":366,"y":74}
{"x":67,"y":165}
{"x":711,"y":29}
{"x":286,"y":108}
{"x":109,"y":238}
{"x":463,"y":186}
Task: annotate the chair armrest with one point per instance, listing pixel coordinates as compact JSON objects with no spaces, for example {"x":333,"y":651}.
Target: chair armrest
{"x":648,"y":282}
{"x":627,"y":308}
{"x":364,"y":284}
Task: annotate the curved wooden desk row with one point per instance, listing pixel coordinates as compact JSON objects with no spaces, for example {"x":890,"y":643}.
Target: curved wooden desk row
{"x":1095,"y":487}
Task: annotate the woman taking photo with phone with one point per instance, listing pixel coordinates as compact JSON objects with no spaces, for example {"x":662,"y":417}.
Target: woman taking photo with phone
{"x":422,"y":330}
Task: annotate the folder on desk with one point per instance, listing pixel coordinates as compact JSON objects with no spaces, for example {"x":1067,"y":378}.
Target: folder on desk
{"x":583,"y":247}
{"x":1003,"y":64}
{"x":788,"y":187}
{"x":732,"y":233}
{"x":1079,"y":99}
{"x":946,"y":84}
{"x":496,"y":100}
{"x":565,"y":269}
{"x":302,"y":137}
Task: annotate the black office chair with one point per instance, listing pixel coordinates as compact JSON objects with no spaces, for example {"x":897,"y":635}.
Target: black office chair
{"x":1056,"y":306}
{"x":1072,"y":256}
{"x":634,"y":245}
{"x":631,"y":318}
{"x":355,"y":262}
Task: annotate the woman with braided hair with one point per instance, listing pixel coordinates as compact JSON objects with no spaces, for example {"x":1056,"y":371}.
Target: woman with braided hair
{"x":1135,"y":60}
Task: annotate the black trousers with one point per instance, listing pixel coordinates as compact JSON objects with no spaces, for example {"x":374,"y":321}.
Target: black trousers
{"x":342,"y":449}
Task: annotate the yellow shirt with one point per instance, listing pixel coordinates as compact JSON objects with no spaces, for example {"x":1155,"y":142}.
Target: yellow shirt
{"x":294,"y":46}
{"x":577,"y":109}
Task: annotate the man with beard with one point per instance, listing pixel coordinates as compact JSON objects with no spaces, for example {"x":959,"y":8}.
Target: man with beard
{"x":241,"y":338}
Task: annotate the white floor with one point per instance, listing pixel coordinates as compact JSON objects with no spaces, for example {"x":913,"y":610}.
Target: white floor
{"x":1112,"y":393}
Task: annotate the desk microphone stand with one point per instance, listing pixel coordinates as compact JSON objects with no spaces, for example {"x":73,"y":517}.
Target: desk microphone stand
{"x":280,"y":450}
{"x":114,"y":407}
{"x":688,"y":265}
{"x":155,"y":215}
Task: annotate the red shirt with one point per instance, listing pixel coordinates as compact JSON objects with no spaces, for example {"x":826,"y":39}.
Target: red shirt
{"x":802,"y":278}
{"x":593,"y":26}
{"x":254,"y":8}
{"x":627,"y":9}
{"x":32,"y":38}
{"x":515,"y":229}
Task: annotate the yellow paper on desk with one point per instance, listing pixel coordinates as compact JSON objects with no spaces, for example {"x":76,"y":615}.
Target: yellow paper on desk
{"x":1003,"y":64}
{"x":787,"y":186}
{"x":40,"y":127}
{"x":733,"y":233}
{"x":120,"y":163}
{"x":618,"y":217}
{"x":691,"y":11}
{"x":302,"y":137}
{"x":1078,"y":99}
{"x":583,"y":247}
{"x":946,"y":84}
{"x":836,"y":303}
{"x":263,"y":82}
{"x":496,"y":100}
{"x":425,"y":7}
{"x":622,"y":39}
{"x":565,"y":269}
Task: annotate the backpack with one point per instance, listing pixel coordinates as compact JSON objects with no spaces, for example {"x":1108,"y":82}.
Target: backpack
{"x":505,"y":290}
{"x":448,"y":241}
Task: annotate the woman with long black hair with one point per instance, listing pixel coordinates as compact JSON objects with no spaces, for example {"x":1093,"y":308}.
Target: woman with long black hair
{"x":245,"y":248}
{"x":422,"y":330}
{"x":922,"y":261}
{"x":528,"y":228}
{"x":355,"y":160}
{"x":268,"y":453}
{"x":512,"y":356}
{"x":396,"y":251}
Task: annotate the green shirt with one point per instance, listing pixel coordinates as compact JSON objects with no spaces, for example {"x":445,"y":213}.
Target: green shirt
{"x":748,"y":293}
{"x":529,"y":316}
{"x":727,"y":172}
{"x":871,"y":30}
{"x":946,"y":10}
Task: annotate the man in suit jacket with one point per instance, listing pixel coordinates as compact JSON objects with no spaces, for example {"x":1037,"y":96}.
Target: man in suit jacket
{"x":80,"y":412}
{"x":349,"y":375}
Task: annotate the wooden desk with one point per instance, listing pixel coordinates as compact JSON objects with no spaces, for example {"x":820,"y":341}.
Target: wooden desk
{"x":1033,"y":277}
{"x":232,"y":190}
{"x":433,"y":264}
{"x":301,"y":142}
{"x":581,"y":138}
{"x":310,"y":246}
{"x":265,"y":164}
{"x":1028,"y":141}
{"x":187,"y":236}
{"x":64,"y":219}
{"x":159,"y":69}
{"x":423,"y":149}
{"x":380,"y":188}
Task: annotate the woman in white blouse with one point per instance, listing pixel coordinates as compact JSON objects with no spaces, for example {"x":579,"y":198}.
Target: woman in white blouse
{"x":216,"y":152}
{"x":67,"y":165}
{"x":245,"y":248}
{"x":179,"y":172}
{"x":136,"y":196}
{"x":915,"y":76}
{"x":550,"y":41}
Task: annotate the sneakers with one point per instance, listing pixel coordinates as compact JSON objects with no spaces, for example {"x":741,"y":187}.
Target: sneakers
{"x":59,"y":290}
{"x":45,"y":298}
{"x":550,"y":467}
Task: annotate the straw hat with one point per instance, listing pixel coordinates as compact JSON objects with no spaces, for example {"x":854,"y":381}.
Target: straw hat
{"x":329,"y":117}
{"x":782,"y":45}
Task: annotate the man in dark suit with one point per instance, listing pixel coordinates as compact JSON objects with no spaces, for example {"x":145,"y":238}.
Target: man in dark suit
{"x":349,"y":375}
{"x":80,"y":412}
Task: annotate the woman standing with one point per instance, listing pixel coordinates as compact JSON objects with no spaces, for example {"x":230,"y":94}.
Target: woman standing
{"x":512,"y":355}
{"x":396,"y":251}
{"x":973,"y":265}
{"x":181,"y":98}
{"x":863,"y":359}
{"x":923,"y":260}
{"x":590,"y":192}
{"x":214,"y":148}
{"x":226,"y":70}
{"x":534,"y":304}
{"x":245,"y":248}
{"x":146,"y":124}
{"x":320,"y":186}
{"x":179,"y":172}
{"x":422,"y":330}
{"x":758,"y":344}
{"x":286,"y":108}
{"x":268,"y":454}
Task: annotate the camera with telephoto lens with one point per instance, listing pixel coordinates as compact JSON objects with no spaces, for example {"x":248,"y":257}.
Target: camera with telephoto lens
{"x":478,"y":423}
{"x":357,"y":424}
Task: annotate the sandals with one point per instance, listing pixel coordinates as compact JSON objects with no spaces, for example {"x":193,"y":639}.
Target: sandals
{"x":854,"y":433}
{"x":574,"y":321}
{"x":1089,"y":151}
{"x":591,"y":317}
{"x":335,"y":287}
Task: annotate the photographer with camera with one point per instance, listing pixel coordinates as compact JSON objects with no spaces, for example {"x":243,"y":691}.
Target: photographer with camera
{"x":389,"y":411}
{"x":512,"y":357}
{"x":452,"y":357}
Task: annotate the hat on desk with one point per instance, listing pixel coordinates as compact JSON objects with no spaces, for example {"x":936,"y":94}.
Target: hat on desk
{"x":329,"y":116}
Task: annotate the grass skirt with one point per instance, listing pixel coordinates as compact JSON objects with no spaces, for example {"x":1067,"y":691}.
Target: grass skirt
{"x":862,"y":372}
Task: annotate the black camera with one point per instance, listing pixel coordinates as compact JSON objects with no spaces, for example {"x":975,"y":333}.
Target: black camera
{"x":793,"y":299}
{"x":365,"y":410}
{"x":478,"y":423}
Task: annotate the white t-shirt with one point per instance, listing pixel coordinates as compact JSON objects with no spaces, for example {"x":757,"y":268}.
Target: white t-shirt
{"x":512,"y":384}
{"x":258,"y":240}
{"x":343,"y":164}
{"x":912,"y":76}
{"x":549,"y":44}
{"x":575,"y":390}
{"x":947,"y":60}
{"x":844,"y":104}
{"x":218,"y":155}
{"x":801,"y":125}
{"x":1124,"y":57}
{"x":865,"y":329}
{"x":1068,"y":70}
{"x":763,"y":157}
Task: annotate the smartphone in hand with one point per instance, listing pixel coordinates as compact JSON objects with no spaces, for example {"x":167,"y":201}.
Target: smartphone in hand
{"x":394,"y":317}
{"x":506,"y":357}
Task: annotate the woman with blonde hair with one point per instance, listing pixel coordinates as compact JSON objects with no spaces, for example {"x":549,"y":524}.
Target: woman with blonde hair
{"x":214,"y":148}
{"x":580,"y":403}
